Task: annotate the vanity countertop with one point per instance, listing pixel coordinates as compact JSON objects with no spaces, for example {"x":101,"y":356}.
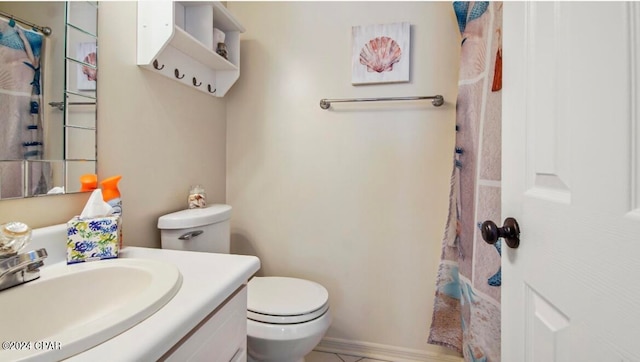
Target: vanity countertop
{"x":207,"y":280}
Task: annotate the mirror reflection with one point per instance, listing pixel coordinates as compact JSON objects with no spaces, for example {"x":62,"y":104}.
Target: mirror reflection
{"x":48,"y":81}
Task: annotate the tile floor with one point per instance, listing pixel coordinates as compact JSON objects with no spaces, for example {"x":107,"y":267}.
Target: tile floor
{"x":316,"y":356}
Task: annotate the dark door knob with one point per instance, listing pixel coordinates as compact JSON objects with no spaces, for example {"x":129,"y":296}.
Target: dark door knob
{"x":510,"y":231}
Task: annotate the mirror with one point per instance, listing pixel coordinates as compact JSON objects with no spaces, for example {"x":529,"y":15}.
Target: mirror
{"x":47,"y":96}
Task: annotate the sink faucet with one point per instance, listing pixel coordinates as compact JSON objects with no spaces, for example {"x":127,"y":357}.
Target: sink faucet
{"x":20,"y":268}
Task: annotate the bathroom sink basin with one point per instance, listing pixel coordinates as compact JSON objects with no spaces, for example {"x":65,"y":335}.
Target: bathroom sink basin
{"x":72,"y":308}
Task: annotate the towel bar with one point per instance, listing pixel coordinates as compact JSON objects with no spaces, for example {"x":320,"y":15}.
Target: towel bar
{"x":438,"y":100}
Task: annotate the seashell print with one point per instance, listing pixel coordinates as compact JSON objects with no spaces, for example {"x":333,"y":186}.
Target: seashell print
{"x":91,"y":73}
{"x":380,"y":54}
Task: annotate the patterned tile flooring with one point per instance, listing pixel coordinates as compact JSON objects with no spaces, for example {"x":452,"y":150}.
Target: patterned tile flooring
{"x":316,"y":356}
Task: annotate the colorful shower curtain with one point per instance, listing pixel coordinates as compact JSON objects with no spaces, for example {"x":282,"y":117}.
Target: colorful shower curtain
{"x":21,"y":133}
{"x":466,"y":315}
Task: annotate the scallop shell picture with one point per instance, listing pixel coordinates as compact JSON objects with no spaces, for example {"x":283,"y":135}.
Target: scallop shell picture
{"x":86,"y":75}
{"x":380,"y":54}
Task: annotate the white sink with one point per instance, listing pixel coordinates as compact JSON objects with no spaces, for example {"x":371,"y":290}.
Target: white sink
{"x":72,"y":308}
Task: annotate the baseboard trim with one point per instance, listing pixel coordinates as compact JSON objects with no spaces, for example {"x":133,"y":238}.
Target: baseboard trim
{"x":381,"y":351}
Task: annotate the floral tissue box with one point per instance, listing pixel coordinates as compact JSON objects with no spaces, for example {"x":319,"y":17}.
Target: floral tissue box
{"x":92,"y":239}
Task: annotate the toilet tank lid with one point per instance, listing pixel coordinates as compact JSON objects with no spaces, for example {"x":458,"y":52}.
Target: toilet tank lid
{"x":195,"y":217}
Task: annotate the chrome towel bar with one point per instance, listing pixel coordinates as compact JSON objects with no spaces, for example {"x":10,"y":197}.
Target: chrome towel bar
{"x":438,"y":100}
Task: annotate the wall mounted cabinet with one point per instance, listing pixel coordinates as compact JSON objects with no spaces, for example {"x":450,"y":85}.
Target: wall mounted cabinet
{"x":175,"y":39}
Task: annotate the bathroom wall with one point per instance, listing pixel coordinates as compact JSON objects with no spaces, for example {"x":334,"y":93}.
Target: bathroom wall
{"x":354,"y":197}
{"x":159,"y":135}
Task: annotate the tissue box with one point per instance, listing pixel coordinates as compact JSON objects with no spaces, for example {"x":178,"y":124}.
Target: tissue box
{"x":93,"y":239}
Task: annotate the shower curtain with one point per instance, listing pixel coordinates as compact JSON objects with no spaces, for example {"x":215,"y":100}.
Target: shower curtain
{"x":466,"y":315}
{"x":21,"y":133}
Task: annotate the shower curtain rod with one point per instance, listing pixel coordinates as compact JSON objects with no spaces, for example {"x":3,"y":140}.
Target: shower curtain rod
{"x":44,"y":29}
{"x":438,"y":100}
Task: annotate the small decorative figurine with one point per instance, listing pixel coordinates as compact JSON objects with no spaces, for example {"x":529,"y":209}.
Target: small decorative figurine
{"x":197,"y":197}
{"x":222,"y":50}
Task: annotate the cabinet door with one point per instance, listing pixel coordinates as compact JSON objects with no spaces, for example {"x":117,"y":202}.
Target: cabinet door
{"x":221,"y":337}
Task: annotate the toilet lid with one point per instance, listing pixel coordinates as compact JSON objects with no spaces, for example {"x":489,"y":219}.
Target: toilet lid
{"x":285,"y":300}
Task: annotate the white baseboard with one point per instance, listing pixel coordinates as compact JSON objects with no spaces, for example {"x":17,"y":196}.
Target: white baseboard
{"x":381,"y":351}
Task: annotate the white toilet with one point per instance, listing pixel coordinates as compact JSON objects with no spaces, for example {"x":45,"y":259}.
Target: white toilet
{"x":286,"y":317}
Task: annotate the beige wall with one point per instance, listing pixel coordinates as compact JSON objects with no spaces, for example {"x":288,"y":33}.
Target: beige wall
{"x":354,"y":197}
{"x":159,"y":135}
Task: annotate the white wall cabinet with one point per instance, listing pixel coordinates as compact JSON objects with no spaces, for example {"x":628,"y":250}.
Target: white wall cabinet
{"x":175,"y":39}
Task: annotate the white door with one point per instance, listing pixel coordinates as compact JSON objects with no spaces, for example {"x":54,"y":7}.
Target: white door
{"x":571,"y":172}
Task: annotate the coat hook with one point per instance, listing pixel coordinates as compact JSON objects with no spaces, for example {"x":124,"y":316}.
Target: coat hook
{"x":177,"y":74}
{"x":209,"y":88}
{"x":155,"y":65}
{"x":195,"y":82}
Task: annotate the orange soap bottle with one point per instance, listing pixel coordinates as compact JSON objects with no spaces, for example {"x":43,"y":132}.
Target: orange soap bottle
{"x":88,"y":182}
{"x":111,"y":195}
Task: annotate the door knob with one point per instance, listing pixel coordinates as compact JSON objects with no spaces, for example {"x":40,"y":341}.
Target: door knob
{"x":510,"y":231}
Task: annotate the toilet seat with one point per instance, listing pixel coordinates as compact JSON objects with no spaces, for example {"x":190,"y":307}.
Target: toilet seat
{"x":283,"y":300}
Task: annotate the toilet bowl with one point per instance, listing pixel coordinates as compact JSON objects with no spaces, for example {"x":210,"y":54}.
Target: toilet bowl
{"x":286,"y":317}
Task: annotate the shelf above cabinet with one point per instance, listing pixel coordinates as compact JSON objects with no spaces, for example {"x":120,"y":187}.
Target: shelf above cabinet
{"x":166,"y":48}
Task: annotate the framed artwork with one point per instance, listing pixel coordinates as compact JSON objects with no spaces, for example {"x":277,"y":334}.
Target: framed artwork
{"x":87,"y":76}
{"x":381,"y":53}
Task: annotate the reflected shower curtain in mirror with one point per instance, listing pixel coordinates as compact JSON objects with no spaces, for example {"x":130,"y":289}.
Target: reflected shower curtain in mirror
{"x":466,"y":315}
{"x":21,"y":133}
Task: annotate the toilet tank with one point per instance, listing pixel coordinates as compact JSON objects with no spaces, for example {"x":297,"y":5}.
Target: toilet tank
{"x":201,"y":229}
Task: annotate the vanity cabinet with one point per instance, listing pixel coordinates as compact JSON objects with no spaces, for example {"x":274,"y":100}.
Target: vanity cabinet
{"x":175,"y":39}
{"x":220,"y":337}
